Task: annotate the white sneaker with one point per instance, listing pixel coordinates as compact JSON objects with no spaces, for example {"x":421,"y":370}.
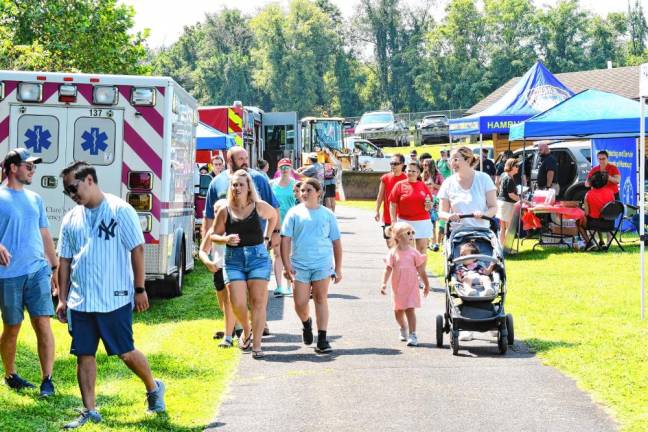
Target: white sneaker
{"x":403,"y":334}
{"x":466,"y":336}
{"x":489,"y":292}
{"x":412,"y":340}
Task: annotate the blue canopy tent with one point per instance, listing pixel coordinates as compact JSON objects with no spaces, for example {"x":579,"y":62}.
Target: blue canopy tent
{"x":588,"y":115}
{"x":537,"y":91}
{"x":208,"y":138}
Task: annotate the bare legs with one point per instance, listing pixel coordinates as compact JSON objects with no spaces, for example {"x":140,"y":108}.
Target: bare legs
{"x":226,"y":307}
{"x":421,"y":245}
{"x":301,"y":297}
{"x":45,"y":338}
{"x":87,"y":374}
{"x":258,"y":292}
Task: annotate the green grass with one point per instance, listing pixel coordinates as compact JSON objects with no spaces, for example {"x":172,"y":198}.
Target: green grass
{"x":580,"y":312}
{"x":175,"y":335}
{"x":363,"y":204}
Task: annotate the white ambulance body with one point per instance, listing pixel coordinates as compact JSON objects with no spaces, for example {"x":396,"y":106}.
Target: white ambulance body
{"x":138,"y":133}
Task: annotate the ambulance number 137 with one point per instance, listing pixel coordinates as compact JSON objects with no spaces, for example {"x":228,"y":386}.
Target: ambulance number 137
{"x":95,"y":112}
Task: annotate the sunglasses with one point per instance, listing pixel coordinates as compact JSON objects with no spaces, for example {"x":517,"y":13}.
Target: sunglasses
{"x":30,"y":166}
{"x":284,"y":168}
{"x":394,"y":163}
{"x":410,"y":232}
{"x":72,"y":188}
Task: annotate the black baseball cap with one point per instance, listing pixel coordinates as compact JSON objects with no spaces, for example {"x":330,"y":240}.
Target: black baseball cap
{"x":18,"y":156}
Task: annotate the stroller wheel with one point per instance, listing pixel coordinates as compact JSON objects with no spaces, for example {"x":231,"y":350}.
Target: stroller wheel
{"x":509,"y":328}
{"x":439,"y":331}
{"x":502,"y":344}
{"x":454,"y":343}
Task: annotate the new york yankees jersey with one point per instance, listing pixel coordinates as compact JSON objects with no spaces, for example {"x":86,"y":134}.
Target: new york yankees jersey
{"x":101,"y":274}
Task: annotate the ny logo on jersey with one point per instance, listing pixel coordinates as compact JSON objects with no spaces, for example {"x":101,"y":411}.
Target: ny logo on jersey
{"x":109,"y":230}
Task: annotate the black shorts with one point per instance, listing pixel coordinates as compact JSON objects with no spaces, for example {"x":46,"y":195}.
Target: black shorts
{"x":114,"y":328}
{"x":219,"y":282}
{"x":329,"y":191}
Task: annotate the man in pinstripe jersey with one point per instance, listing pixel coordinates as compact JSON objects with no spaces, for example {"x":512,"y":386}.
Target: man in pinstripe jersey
{"x":102,"y":275}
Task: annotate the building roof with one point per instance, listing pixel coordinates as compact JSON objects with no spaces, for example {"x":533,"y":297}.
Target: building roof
{"x":623,"y":81}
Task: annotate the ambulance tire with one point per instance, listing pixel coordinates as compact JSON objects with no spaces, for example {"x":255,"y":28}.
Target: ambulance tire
{"x":171,"y":286}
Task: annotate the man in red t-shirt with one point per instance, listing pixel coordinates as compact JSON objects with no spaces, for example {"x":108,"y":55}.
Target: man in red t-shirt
{"x":613,"y":173}
{"x":387,"y":183}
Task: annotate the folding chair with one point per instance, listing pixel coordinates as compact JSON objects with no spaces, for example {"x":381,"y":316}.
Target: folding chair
{"x":609,"y":215}
{"x":631,"y":215}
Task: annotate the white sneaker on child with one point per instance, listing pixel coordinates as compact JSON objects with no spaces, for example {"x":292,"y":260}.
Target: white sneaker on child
{"x":489,"y":292}
{"x":403,"y":334}
{"x":412,"y":340}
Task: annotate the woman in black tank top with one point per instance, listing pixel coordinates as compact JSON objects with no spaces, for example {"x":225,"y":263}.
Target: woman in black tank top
{"x":247,"y":263}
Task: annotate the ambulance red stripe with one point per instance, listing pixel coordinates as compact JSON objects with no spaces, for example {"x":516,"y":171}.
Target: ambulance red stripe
{"x":143,"y":150}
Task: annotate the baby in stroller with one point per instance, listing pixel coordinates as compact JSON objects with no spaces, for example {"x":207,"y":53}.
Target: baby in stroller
{"x":471,"y":271}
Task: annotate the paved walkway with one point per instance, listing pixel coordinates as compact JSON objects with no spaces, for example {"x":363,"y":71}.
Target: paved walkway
{"x":373,"y":382}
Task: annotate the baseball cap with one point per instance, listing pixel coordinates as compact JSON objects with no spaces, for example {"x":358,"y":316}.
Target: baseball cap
{"x":313,"y":157}
{"x":19,"y":155}
{"x":284,"y":162}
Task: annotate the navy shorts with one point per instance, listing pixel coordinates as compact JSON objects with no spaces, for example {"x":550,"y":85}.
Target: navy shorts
{"x":219,"y":282}
{"x":114,"y":328}
{"x":32,"y":291}
{"x":247,"y":262}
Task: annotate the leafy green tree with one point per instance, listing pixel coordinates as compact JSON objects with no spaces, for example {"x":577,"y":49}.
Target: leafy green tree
{"x":605,"y":39}
{"x":563,"y":36}
{"x":72,"y":35}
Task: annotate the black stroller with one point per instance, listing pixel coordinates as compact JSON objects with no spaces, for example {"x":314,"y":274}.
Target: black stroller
{"x":478,"y":313}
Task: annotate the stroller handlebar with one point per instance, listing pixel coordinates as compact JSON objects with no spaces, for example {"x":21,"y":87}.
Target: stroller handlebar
{"x":479,"y":257}
{"x":470,"y":215}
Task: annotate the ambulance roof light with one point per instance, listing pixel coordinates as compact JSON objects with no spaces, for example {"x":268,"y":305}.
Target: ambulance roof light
{"x":67,"y":93}
{"x":104,"y":95}
{"x":30,"y":92}
{"x":143,"y":96}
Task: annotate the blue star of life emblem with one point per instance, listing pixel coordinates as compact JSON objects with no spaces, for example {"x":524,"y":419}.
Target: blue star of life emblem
{"x":94,"y":140}
{"x":37,"y":139}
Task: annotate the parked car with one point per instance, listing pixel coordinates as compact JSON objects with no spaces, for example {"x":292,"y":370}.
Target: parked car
{"x":574,"y":162}
{"x":434,"y":128}
{"x":382,"y":129}
{"x":367,"y":157}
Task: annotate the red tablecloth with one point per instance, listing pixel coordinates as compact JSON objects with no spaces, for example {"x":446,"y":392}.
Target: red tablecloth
{"x":573,"y":213}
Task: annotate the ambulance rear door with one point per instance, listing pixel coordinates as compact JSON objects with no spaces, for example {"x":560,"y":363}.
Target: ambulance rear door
{"x":96,"y":136}
{"x":43,"y":131}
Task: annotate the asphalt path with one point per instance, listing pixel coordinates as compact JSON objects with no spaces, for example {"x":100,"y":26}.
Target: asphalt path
{"x":373,"y":382}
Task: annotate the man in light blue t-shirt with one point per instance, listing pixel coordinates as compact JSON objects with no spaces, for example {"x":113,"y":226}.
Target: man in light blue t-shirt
{"x":27,"y":260}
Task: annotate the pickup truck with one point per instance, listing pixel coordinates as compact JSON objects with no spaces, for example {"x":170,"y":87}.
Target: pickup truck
{"x":367,"y":156}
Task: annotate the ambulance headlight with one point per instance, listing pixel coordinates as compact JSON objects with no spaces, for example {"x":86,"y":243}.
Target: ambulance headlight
{"x":104,"y":95}
{"x":146,"y":222}
{"x":143,"y":96}
{"x":140,"y":201}
{"x":30,"y":92}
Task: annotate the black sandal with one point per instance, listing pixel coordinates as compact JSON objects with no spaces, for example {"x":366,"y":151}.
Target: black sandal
{"x":247,"y":343}
{"x":258,"y":355}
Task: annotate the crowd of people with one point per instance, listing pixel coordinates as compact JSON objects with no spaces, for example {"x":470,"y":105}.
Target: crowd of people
{"x":97,"y":272}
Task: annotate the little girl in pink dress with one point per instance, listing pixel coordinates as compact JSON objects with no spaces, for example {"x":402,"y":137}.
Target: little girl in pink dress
{"x":405,"y":265}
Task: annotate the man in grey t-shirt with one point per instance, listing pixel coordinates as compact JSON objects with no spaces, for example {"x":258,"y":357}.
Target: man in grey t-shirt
{"x":314,"y":170}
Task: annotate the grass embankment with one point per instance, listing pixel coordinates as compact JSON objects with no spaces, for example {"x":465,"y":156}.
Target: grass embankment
{"x":580,"y":312}
{"x":432,"y":149}
{"x":175,"y":335}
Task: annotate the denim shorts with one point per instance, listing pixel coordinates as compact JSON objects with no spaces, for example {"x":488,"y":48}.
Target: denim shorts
{"x":246,"y":262}
{"x":32,"y":291}
{"x":114,"y":328}
{"x":312,"y":275}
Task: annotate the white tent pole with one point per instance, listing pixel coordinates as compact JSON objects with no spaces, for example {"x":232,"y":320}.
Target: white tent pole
{"x":642,"y":209}
{"x":481,"y":148}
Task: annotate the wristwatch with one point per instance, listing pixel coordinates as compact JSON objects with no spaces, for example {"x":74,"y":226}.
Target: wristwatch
{"x":276,"y":231}
{"x":139,"y":290}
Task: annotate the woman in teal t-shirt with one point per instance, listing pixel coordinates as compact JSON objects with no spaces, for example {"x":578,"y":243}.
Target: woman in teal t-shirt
{"x":282,"y":188}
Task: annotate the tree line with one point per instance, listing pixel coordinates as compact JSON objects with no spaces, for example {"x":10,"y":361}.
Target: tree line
{"x":309,"y":58}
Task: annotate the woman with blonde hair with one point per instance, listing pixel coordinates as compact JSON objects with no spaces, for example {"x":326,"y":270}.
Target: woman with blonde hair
{"x":247,"y":261}
{"x":507,"y":197}
{"x":467,"y":192}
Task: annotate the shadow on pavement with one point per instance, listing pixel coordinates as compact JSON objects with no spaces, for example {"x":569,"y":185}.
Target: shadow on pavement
{"x":324,"y":358}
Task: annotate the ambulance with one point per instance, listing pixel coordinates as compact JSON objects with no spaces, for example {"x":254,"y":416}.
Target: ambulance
{"x":139,"y":134}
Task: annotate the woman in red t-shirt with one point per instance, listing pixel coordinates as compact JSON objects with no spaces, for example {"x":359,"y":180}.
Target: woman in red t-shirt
{"x":595,"y":199}
{"x":411,"y":201}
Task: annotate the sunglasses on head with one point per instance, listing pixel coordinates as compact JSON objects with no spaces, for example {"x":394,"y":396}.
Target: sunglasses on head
{"x":72,"y":188}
